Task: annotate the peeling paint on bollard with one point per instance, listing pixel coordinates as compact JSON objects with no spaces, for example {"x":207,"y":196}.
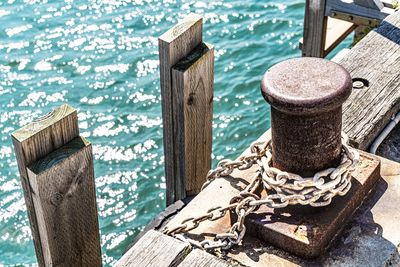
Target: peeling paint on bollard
{"x":306,"y":97}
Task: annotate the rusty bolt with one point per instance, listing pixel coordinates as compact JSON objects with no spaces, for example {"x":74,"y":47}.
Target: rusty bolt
{"x":306,"y":97}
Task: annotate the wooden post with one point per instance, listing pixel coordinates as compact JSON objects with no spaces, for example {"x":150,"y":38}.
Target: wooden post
{"x":193,"y":84}
{"x":315,"y":25}
{"x":174,"y":45}
{"x":56,"y":169}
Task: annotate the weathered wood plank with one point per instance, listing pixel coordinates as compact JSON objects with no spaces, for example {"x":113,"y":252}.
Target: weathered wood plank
{"x":340,"y":55}
{"x":369,"y":240}
{"x":155,"y":249}
{"x":221,"y":191}
{"x":350,"y":7}
{"x":34,"y":141}
{"x":218,"y":193}
{"x":157,"y":222}
{"x":375,"y":58}
{"x":363,"y":242}
{"x":64,"y":198}
{"x":199,"y":258}
{"x":193,"y":84}
{"x":315,"y":24}
{"x":375,"y":4}
{"x":175,"y":44}
{"x":46,"y":134}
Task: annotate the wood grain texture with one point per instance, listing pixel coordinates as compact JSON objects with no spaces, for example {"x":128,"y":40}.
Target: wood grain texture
{"x":155,"y":249}
{"x":340,"y":55}
{"x":200,"y":258}
{"x":158,"y":221}
{"x":218,"y":193}
{"x":315,"y":24}
{"x":64,"y":198}
{"x":357,"y":248}
{"x":175,"y":44}
{"x":375,"y":58}
{"x":193,"y":86}
{"x":34,"y":141}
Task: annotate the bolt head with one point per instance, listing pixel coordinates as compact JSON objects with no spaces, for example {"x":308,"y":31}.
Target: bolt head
{"x":358,"y":84}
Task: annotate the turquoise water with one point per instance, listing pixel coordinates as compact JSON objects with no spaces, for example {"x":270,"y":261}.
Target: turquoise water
{"x":101,"y":57}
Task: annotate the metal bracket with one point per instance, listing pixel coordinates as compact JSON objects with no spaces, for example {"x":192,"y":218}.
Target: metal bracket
{"x":359,"y":20}
{"x":374,"y":4}
{"x":349,"y":7}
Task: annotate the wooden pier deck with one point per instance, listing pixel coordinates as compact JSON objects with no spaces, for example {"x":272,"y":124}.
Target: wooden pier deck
{"x":56,"y":169}
{"x":375,"y":59}
{"x":371,"y":238}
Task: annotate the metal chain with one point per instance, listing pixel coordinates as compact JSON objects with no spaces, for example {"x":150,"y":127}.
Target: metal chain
{"x":226,"y":166}
{"x":283,"y":189}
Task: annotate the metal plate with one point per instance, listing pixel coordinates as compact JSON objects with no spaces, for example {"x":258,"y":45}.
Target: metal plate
{"x":307,"y":232}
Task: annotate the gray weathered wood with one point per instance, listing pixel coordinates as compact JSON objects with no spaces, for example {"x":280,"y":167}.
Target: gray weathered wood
{"x":200,"y":258}
{"x":193,"y":84}
{"x":155,"y":249}
{"x":315,"y":24}
{"x":375,"y":58}
{"x":175,"y":44}
{"x":64,"y":198}
{"x":375,"y":4}
{"x":219,"y":193}
{"x":34,"y":141}
{"x":369,"y":240}
{"x":157,"y":222}
{"x":364,"y":242}
{"x":351,"y":8}
{"x":340,"y":55}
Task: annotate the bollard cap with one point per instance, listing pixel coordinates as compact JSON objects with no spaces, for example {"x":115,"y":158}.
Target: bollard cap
{"x":306,"y":85}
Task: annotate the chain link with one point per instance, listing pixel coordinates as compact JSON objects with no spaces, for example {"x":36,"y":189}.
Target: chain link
{"x":283,"y":189}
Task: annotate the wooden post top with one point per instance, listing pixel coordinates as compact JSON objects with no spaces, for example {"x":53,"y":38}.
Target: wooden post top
{"x":190,"y":59}
{"x":59,"y":155}
{"x":182,"y":27}
{"x":33,"y":142}
{"x":44,"y":122}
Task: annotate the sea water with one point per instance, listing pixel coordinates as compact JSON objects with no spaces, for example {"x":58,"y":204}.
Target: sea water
{"x":101,"y":57}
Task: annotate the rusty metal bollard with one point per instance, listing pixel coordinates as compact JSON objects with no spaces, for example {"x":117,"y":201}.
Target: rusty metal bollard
{"x":306,"y":97}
